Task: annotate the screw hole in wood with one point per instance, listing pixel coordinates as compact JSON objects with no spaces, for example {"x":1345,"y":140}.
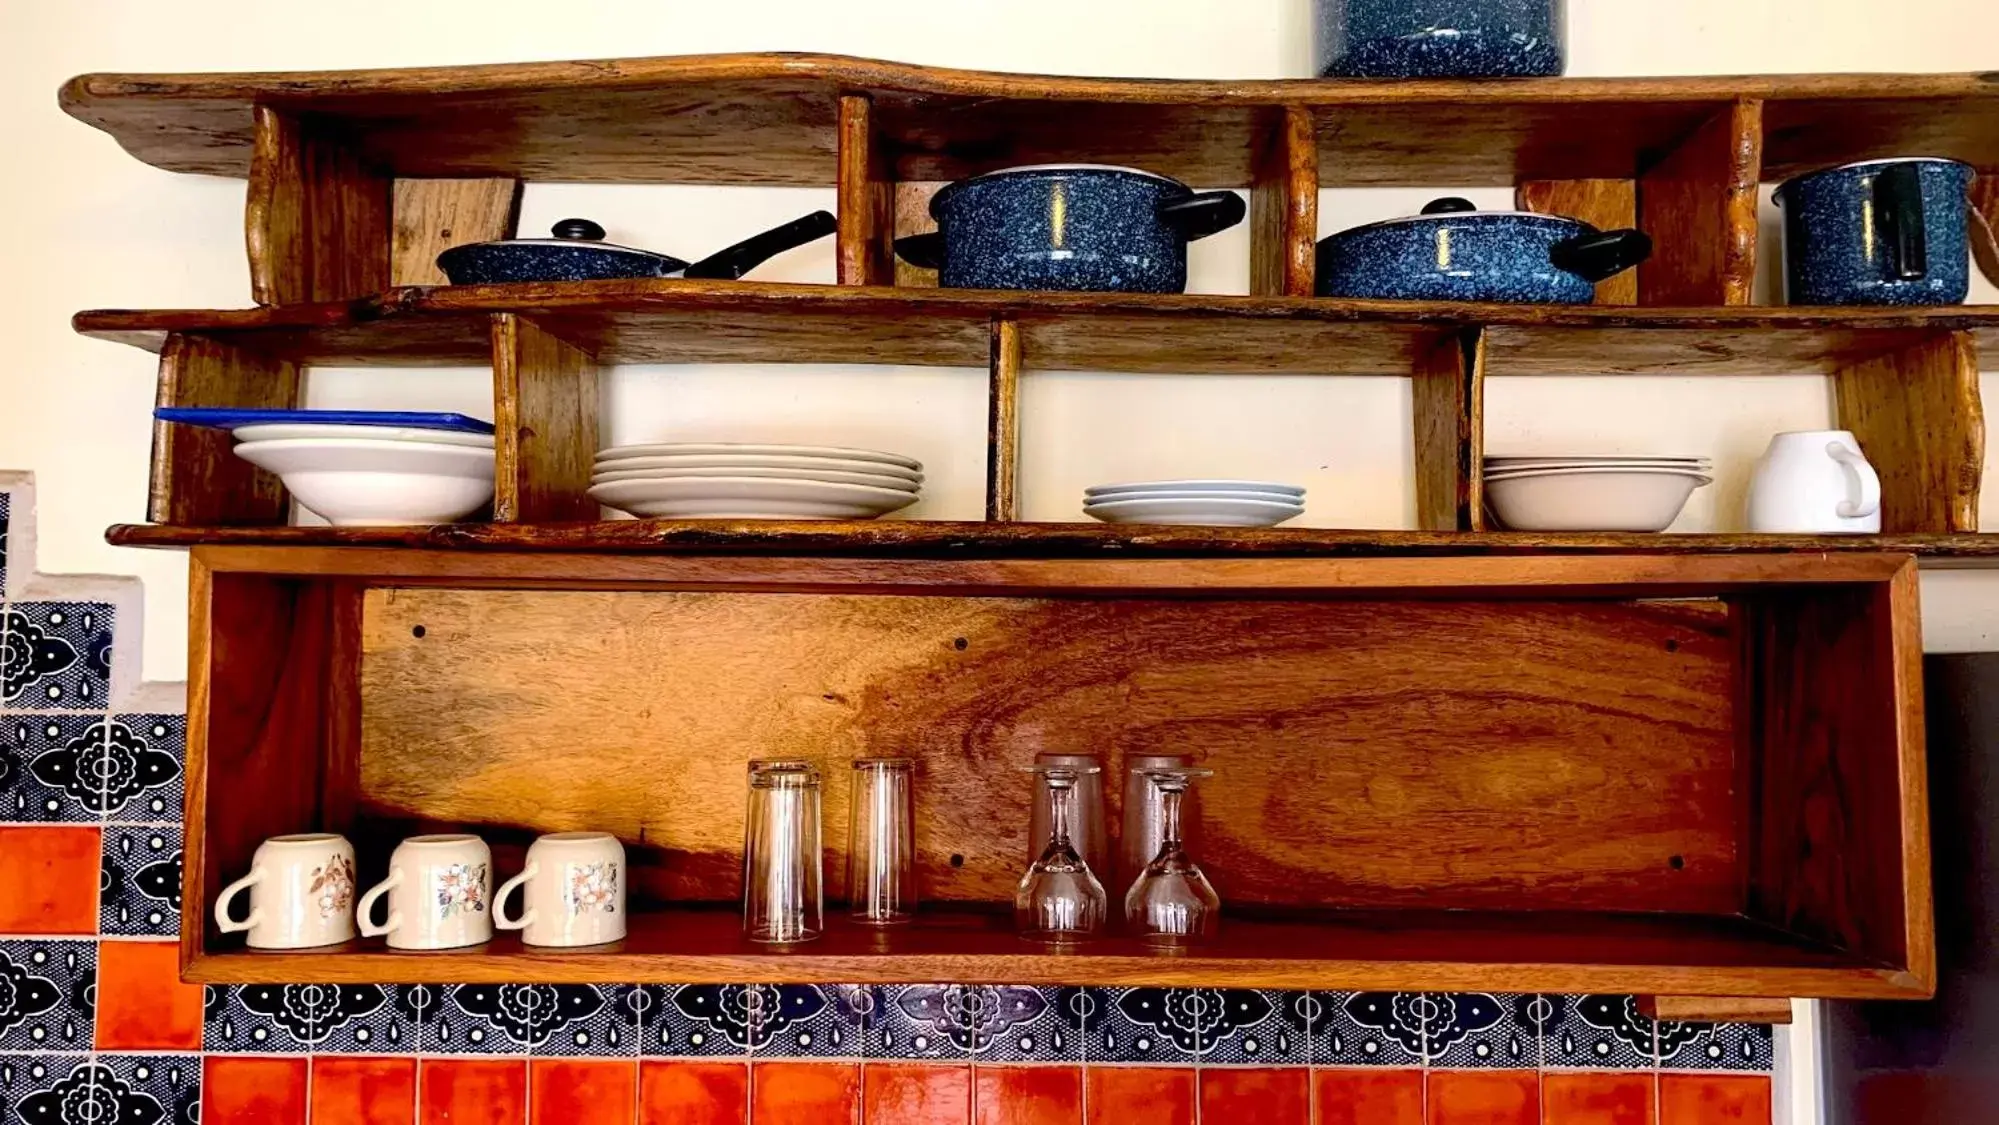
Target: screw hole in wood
{"x":417,"y":631}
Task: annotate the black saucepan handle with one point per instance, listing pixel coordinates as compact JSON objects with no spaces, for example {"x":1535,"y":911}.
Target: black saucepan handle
{"x":924,"y":251}
{"x":744,"y":256}
{"x":1198,"y":216}
{"x":1898,"y":210}
{"x":1600,"y":255}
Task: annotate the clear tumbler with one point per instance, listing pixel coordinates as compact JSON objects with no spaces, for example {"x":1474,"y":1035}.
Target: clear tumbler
{"x":783,"y":885}
{"x":881,"y":843}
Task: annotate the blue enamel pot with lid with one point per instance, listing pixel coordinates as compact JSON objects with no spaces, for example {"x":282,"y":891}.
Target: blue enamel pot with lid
{"x":578,"y":252}
{"x":1442,"y":38}
{"x":1078,"y":227}
{"x":1881,"y":232}
{"x":1455,"y":252}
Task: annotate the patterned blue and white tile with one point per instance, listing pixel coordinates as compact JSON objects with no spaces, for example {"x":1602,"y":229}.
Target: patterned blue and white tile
{"x":51,"y":1090}
{"x":51,"y":768}
{"x":6,"y":499}
{"x":1598,"y":1032}
{"x":1748,"y":1047}
{"x":56,"y":656}
{"x":155,"y":1089}
{"x":48,"y":994}
{"x":586,"y":1020}
{"x":992,"y":1023}
{"x":145,"y":759}
{"x":1483,"y":1030}
{"x":809,"y":1021}
{"x":366,"y":1019}
{"x":915,"y":1021}
{"x":1369,"y":1029}
{"x":139,"y":880}
{"x":1133,"y":1025}
{"x":482,"y":1019}
{"x":261,"y":1018}
{"x":695,"y":1020}
{"x":1256,"y":1027}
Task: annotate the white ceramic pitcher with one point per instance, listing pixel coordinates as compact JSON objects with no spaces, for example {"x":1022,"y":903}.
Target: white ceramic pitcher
{"x":1815,"y":482}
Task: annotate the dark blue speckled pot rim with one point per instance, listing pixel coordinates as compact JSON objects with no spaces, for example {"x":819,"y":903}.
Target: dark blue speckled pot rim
{"x":1794,"y":181}
{"x":1461,"y":217}
{"x":1027,"y":171}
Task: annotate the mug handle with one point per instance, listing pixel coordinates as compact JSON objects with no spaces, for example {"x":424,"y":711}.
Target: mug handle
{"x":223,"y":921}
{"x":500,"y":919}
{"x":1864,"y":479}
{"x":367,"y":906}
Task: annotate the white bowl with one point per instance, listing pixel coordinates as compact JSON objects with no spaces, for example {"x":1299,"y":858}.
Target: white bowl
{"x":1592,"y":499}
{"x":829,"y":476}
{"x":1182,"y":487}
{"x":749,"y":498}
{"x":281,"y":431}
{"x":725,"y":448}
{"x":359,"y":482}
{"x":725,"y":464}
{"x":1196,"y":511}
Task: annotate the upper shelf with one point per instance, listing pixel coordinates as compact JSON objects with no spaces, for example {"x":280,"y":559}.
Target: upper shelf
{"x":771,"y":119}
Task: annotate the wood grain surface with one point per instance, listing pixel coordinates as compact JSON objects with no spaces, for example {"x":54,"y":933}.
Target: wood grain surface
{"x":1448,"y":404}
{"x":1919,"y":418}
{"x":1699,"y":205}
{"x":1284,"y":208}
{"x":196,"y":477}
{"x":317,"y":219}
{"x":1604,"y":204}
{"x":1718,"y":1009}
{"x":1985,"y":221}
{"x":432,"y":216}
{"x":1003,"y":423}
{"x":864,"y":245}
{"x":545,"y":412}
{"x":912,"y":216}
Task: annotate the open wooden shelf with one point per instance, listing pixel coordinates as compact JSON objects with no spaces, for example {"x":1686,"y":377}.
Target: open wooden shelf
{"x":1374,"y":950}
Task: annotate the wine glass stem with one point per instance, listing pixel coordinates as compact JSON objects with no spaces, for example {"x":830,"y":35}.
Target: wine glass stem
{"x":1169,"y":820}
{"x":1058,"y":815}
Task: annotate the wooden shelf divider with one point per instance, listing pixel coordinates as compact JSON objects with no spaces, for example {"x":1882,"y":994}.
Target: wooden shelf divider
{"x":1699,"y":205}
{"x":1003,"y":424}
{"x":865,"y":242}
{"x":545,"y":424}
{"x":1449,"y":405}
{"x":1917,"y":413}
{"x":196,"y":476}
{"x":317,"y":216}
{"x":1284,"y":208}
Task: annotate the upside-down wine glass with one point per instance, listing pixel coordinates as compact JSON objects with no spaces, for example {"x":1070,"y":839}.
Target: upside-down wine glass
{"x":1172,"y":903}
{"x":1060,"y":900}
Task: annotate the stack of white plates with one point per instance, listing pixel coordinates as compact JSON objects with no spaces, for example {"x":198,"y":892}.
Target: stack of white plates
{"x":731,"y":480}
{"x":1204,"y":503}
{"x":1592,"y":493}
{"x":372,"y":475}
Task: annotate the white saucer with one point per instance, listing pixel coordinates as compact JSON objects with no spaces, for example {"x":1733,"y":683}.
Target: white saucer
{"x":1192,"y":486}
{"x":829,"y":476}
{"x":749,"y":498}
{"x":668,"y":449}
{"x":1197,"y":511}
{"x":724,"y":464}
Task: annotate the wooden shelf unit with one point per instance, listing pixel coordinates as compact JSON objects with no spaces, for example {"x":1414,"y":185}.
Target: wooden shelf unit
{"x":1697,"y":775}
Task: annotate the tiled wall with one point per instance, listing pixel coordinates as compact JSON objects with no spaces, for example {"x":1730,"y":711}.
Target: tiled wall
{"x":95,"y":1028}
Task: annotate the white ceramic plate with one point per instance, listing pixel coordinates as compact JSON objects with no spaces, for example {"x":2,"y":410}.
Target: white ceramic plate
{"x":352,"y":481}
{"x":1513,"y":462}
{"x":1285,"y":498}
{"x":668,"y":449}
{"x":1571,"y":467}
{"x":1197,"y":512}
{"x":831,"y":476}
{"x":749,"y":498}
{"x":282,"y":431}
{"x":1183,"y":487}
{"x":1592,"y":500}
{"x":723,"y":464}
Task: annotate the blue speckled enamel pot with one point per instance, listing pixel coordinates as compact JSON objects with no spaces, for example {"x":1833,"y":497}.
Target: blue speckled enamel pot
{"x":1074,"y":226}
{"x":1442,"y":38}
{"x":1886,"y":232}
{"x":578,"y":252}
{"x":1453,"y":252}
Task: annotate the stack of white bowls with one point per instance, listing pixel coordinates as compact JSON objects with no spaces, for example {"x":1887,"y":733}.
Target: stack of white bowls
{"x":732,"y":480}
{"x":1200,"y":503}
{"x":375,"y":475}
{"x":1592,"y":493}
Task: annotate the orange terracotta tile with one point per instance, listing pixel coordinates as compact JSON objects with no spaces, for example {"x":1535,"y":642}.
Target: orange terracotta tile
{"x":1484,"y":1097}
{"x":1367,"y":1097}
{"x":48,"y":880}
{"x":141,"y":1003}
{"x":1265,"y":1095}
{"x":804,"y":1093}
{"x":1714,"y":1099}
{"x":583,"y":1091}
{"x":693,"y":1093}
{"x":1584,"y":1098}
{"x":1156,"y":1095}
{"x":354,"y":1090}
{"x":472,"y":1091}
{"x":916,"y":1094}
{"x":1027,"y":1095}
{"x":236,"y":1090}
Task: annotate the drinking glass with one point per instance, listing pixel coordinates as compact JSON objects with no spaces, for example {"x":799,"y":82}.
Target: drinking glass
{"x":1144,"y":810}
{"x":1172,"y":903}
{"x":1059,"y":900}
{"x":783,"y":891}
{"x":881,"y":843}
{"x":1087,"y":827}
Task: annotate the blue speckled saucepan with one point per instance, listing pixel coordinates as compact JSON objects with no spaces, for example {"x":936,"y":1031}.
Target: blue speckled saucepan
{"x":1442,"y":38}
{"x":578,"y":252}
{"x":1883,"y":232}
{"x":1078,"y":227}
{"x":1455,"y":252}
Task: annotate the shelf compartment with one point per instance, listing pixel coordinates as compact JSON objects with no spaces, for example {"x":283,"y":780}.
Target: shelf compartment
{"x":1527,"y":740}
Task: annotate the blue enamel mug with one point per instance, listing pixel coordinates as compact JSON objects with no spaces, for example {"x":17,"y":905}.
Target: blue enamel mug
{"x":1882,"y":232}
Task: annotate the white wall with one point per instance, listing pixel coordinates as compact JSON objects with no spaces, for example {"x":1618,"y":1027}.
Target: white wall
{"x":94,"y":228}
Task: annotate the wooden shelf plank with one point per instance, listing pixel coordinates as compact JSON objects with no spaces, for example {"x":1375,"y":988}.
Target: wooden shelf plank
{"x":760,"y":322}
{"x":773,"y":119}
{"x":1386,"y":950}
{"x":952,"y":539}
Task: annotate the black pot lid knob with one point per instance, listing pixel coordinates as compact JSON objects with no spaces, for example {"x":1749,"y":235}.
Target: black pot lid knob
{"x":1449,"y":205}
{"x":578,"y":230}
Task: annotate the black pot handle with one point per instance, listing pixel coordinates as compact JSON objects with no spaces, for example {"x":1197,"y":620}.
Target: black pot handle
{"x":744,"y":256}
{"x":1449,"y":205}
{"x":577,"y":230}
{"x":924,"y":251}
{"x":1601,"y":255}
{"x":1199,"y":216}
{"x":1898,"y":209}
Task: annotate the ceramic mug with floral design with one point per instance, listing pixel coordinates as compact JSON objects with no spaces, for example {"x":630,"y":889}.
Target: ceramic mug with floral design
{"x":438,"y":888}
{"x":301,"y":893}
{"x":575,"y":891}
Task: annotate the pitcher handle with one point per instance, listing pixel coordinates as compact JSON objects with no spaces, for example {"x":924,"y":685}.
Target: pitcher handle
{"x":1862,"y":477}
